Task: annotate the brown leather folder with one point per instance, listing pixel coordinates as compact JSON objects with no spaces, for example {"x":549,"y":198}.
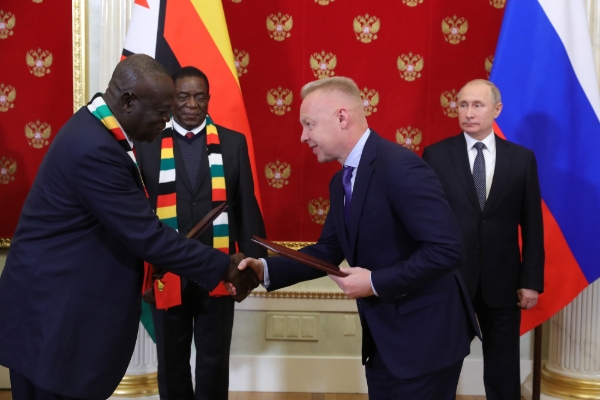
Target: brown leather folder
{"x":300,"y":257}
{"x":206,"y":221}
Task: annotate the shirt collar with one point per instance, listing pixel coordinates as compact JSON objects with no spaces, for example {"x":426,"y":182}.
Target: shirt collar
{"x":182,"y":131}
{"x":489,"y":141}
{"x":354,"y":157}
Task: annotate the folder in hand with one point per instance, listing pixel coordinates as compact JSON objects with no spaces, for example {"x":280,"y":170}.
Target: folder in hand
{"x":300,"y":257}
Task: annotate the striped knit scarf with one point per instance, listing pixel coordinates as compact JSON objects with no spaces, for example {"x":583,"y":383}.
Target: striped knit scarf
{"x":166,"y":205}
{"x":97,"y":106}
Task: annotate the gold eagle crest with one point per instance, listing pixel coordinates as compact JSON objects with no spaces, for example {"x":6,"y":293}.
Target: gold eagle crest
{"x":489,"y":61}
{"x":412,"y":3}
{"x":7,"y":23}
{"x":324,"y":2}
{"x":241,"y":61}
{"x":323,"y":64}
{"x":236,"y":1}
{"x":37,"y":1}
{"x":279,"y":26}
{"x":370,"y":100}
{"x":409,"y":137}
{"x":7,"y":96}
{"x":449,"y":100}
{"x":277,"y":173}
{"x":280,"y":99}
{"x":37,"y":134}
{"x":366,"y":28}
{"x":454,"y":29}
{"x":410,"y":66}
{"x":39,"y":62}
{"x":318,"y":210}
{"x":8,"y":167}
{"x":498,"y":3}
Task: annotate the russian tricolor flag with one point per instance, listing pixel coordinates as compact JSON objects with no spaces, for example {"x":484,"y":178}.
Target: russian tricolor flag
{"x":545,"y":71}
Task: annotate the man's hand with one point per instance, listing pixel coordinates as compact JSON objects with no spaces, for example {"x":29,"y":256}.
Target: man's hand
{"x":239,"y":283}
{"x":357,"y":284}
{"x":255,"y":265}
{"x":527,"y":298}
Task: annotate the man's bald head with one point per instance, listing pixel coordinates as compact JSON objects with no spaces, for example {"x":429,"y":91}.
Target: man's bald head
{"x":140,"y":94}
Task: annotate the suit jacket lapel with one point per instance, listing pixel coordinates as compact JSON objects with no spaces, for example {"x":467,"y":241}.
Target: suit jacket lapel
{"x":337,"y":212}
{"x":460,"y":158}
{"x":501,"y":172}
{"x":359,"y":193}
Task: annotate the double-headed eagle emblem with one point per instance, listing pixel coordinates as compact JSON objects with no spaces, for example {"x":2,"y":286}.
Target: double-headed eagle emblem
{"x":37,"y":134}
{"x":449,"y":100}
{"x":277,"y":173}
{"x":370,"y":100}
{"x":318,"y":210}
{"x":366,"y":28}
{"x":323,"y":64}
{"x":279,"y":26}
{"x":7,"y":23}
{"x":241,"y":60}
{"x":7,"y":96}
{"x":409,"y":137}
{"x":8,"y":167}
{"x":410,"y":66}
{"x":412,"y":3}
{"x":454,"y":29}
{"x":324,"y":2}
{"x":39,"y":62}
{"x":280,"y":99}
{"x":498,"y":3}
{"x":489,"y":61}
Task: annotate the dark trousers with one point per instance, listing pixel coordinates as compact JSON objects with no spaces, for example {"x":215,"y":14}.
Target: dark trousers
{"x":437,"y":385}
{"x":501,"y":359}
{"x":23,"y":389}
{"x":208,"y":321}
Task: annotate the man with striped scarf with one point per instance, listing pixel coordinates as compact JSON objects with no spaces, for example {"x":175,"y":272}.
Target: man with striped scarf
{"x":194,"y":166}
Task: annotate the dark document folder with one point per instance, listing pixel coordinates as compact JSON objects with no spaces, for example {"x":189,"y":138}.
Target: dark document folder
{"x":300,"y":257}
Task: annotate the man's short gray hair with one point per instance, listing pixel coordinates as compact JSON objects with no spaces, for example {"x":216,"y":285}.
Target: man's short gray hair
{"x":339,"y":83}
{"x":496,"y":97}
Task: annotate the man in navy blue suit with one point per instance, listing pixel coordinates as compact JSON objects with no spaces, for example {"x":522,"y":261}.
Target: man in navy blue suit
{"x":70,"y":293}
{"x":389,"y":218}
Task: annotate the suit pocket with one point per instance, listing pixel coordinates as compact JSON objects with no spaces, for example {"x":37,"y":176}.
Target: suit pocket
{"x":420,"y":303}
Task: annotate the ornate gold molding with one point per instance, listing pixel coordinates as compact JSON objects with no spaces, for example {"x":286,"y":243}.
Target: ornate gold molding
{"x":79,"y":55}
{"x":4,"y":243}
{"x":565,"y":387}
{"x":282,"y":294}
{"x":137,"y":386}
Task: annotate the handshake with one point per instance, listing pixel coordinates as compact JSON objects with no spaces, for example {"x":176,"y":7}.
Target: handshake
{"x":241,"y":281}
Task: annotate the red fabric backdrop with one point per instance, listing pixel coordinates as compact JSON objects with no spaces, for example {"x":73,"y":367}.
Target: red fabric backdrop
{"x":36,"y":99}
{"x":404,"y":103}
{"x":280,"y":37}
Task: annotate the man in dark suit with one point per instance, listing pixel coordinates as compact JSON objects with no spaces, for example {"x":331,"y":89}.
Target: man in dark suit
{"x":70,"y":293}
{"x":390,"y":220}
{"x":208,"y":319}
{"x":492,"y":187}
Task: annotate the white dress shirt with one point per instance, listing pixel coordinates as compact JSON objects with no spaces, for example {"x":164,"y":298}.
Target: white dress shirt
{"x":352,"y":160}
{"x":489,"y":155}
{"x":182,"y":131}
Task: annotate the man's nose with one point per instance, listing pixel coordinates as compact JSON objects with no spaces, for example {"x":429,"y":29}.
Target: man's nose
{"x":304,"y":136}
{"x":191,"y":103}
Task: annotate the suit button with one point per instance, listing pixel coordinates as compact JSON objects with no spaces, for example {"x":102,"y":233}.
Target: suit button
{"x":194,"y":203}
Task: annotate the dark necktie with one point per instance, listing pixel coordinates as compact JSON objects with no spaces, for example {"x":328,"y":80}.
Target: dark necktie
{"x":479,"y":174}
{"x":347,"y":181}
{"x":189,"y":135}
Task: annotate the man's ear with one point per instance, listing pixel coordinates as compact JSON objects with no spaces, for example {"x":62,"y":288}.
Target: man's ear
{"x":342,"y":116}
{"x":127,"y":99}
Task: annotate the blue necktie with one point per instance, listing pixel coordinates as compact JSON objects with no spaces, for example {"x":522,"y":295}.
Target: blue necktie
{"x":347,"y":181}
{"x":479,"y":174}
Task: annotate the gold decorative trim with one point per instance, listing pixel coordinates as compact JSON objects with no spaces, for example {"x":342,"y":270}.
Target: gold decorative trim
{"x":4,"y":243}
{"x":79,"y":55}
{"x":565,"y":387}
{"x":282,"y":294}
{"x":293,"y":245}
{"x":137,"y":386}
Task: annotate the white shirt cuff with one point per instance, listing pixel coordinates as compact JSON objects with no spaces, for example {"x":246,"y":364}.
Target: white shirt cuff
{"x":266,"y":282}
{"x":372,"y":287}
